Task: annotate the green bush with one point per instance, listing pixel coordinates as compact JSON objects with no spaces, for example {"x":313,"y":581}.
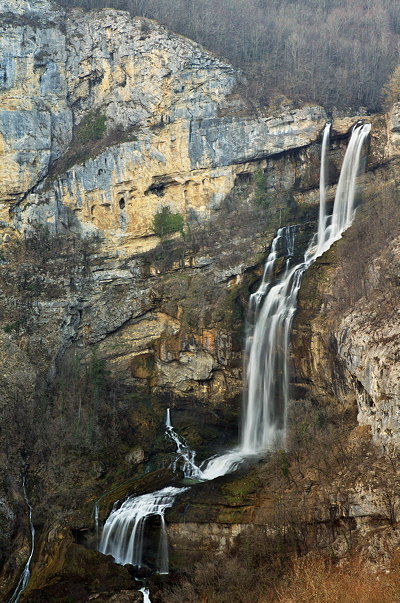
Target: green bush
{"x":165,"y":222}
{"x":14,"y":327}
{"x":92,"y":127}
{"x":260,"y":194}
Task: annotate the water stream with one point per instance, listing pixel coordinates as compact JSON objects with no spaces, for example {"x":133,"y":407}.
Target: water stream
{"x":185,"y":457}
{"x":26,"y":574}
{"x":146,"y":594}
{"x":271,"y":311}
{"x":322,"y":221}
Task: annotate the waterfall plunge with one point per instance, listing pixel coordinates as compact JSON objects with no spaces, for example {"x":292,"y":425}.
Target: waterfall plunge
{"x":275,"y":305}
{"x":123,"y":533}
{"x":322,"y":221}
{"x":271,"y":311}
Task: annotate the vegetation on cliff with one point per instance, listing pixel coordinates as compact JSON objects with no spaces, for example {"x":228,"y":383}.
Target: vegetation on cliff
{"x":304,"y":543}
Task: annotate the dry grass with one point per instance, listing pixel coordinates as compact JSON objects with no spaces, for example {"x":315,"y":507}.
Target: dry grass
{"x":310,"y":579}
{"x":315,"y":580}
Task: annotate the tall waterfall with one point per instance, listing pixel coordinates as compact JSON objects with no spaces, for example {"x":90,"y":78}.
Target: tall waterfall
{"x":264,"y":419}
{"x":322,"y":222}
{"x":273,"y":307}
{"x":271,"y":311}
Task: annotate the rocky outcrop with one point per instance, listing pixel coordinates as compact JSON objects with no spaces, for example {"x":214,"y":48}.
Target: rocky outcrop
{"x":370,"y":354}
{"x":393,"y":131}
{"x":104,"y":120}
{"x":163,"y":93}
{"x":346,"y":340}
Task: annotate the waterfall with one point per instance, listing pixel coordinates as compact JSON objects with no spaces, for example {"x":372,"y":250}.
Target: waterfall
{"x":24,"y":578}
{"x":271,"y":311}
{"x":322,"y":222}
{"x":146,"y":594}
{"x":210,"y":468}
{"x":96,"y":517}
{"x":273,"y":307}
{"x":184,"y":455}
{"x":345,"y":199}
{"x":264,"y":420}
{"x":124,"y":530}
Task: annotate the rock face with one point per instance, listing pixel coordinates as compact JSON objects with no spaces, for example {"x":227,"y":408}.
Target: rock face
{"x":164,"y":92}
{"x":346,"y":336}
{"x":158,"y":123}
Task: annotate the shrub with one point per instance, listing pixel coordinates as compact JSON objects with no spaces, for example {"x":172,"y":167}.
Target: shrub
{"x":165,"y":222}
{"x":14,"y":327}
{"x":92,"y":127}
{"x":260,"y":195}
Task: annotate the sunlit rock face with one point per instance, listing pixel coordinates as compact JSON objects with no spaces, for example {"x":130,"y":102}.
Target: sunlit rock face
{"x":104,"y":120}
{"x":35,"y":119}
{"x":176,"y":132}
{"x":393,"y":131}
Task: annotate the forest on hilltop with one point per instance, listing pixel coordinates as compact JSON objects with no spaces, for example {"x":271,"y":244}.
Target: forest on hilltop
{"x":338,"y":53}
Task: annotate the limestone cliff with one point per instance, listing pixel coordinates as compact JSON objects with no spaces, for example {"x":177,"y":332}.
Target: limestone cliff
{"x":104,"y":121}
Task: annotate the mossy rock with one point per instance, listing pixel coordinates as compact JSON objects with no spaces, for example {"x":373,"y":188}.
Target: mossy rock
{"x":242,"y":489}
{"x":137,"y":485}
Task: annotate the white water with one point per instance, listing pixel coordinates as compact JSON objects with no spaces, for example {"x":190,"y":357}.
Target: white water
{"x":221,"y":465}
{"x":26,"y":574}
{"x":322,"y":222}
{"x":185,"y":457}
{"x":96,"y":516}
{"x":124,"y":530}
{"x":345,"y":198}
{"x":267,"y":351}
{"x":146,"y":594}
{"x":271,"y":311}
{"x":267,"y":368}
{"x":209,"y":469}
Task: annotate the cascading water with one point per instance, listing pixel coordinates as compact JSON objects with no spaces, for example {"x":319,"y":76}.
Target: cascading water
{"x":96,"y":516}
{"x":322,"y":221}
{"x":267,"y":367}
{"x":271,"y":311}
{"x":24,"y":578}
{"x":146,"y":594}
{"x":124,"y":530}
{"x":210,"y":468}
{"x":185,"y":457}
{"x":345,"y":198}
